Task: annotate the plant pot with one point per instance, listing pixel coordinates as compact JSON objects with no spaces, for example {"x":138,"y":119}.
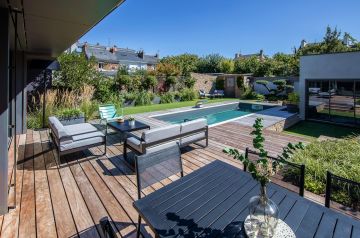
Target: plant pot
{"x":72,"y":120}
{"x":132,"y":123}
{"x":292,"y":108}
{"x":264,"y":214}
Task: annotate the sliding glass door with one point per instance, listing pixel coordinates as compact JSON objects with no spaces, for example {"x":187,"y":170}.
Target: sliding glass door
{"x":334,"y":100}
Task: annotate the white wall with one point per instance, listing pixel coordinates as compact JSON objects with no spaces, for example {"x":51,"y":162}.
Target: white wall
{"x":327,"y":66}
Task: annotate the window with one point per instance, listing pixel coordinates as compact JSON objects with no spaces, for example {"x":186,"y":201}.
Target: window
{"x":101,"y":65}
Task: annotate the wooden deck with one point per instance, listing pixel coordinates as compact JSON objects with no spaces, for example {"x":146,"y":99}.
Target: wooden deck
{"x":69,"y":200}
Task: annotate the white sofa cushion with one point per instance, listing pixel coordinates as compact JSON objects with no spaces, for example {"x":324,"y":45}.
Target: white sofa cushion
{"x":83,"y":140}
{"x":189,"y":126}
{"x":160,"y":133}
{"x":82,"y":128}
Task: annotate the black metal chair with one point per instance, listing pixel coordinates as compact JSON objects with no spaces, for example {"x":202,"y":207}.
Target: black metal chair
{"x":154,"y":167}
{"x":348,"y":191}
{"x":300,"y":180}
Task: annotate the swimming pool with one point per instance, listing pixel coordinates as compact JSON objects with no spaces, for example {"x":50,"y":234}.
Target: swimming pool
{"x":215,"y":114}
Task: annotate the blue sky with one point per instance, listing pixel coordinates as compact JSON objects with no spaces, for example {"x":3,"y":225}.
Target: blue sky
{"x":202,"y":27}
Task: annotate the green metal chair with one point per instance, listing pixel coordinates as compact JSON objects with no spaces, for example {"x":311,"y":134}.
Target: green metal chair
{"x":108,"y":113}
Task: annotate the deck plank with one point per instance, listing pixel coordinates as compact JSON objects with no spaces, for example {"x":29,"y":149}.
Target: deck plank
{"x":65,"y":224}
{"x":27,"y":222}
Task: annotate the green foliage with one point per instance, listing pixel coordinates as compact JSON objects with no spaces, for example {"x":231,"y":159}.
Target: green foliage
{"x":285,"y":65}
{"x":123,"y":81}
{"x":293,"y":98}
{"x":226,"y":66}
{"x":338,"y":156}
{"x":209,"y":64}
{"x":149,"y":82}
{"x":167,"y":69}
{"x":129,"y":96}
{"x":188,"y":94}
{"x":69,"y":112}
{"x":254,"y":65}
{"x":249,"y":94}
{"x":167,"y":97}
{"x":75,"y":71}
{"x":186,"y":63}
{"x":143,"y":98}
{"x":220,"y":83}
{"x":170,"y":81}
{"x":105,"y":89}
{"x":263,"y":168}
{"x":240,"y":82}
{"x":189,"y":82}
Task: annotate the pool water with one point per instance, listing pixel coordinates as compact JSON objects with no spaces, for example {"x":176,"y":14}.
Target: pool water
{"x":214,"y":114}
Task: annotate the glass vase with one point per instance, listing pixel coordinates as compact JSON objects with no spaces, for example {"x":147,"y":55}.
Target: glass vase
{"x":263,"y":217}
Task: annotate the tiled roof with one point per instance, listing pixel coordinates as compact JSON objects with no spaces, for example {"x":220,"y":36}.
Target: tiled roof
{"x":121,"y":55}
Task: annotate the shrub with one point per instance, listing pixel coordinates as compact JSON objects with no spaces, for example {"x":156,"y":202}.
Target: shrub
{"x":189,"y":82}
{"x":123,"y":81}
{"x":240,"y":82}
{"x":167,"y":97}
{"x":341,"y":157}
{"x":143,"y":98}
{"x":129,"y":96}
{"x":249,"y":94}
{"x":170,"y":81}
{"x":220,"y":83}
{"x":293,"y":98}
{"x":187,"y":95}
{"x":69,"y":112}
{"x":149,"y":82}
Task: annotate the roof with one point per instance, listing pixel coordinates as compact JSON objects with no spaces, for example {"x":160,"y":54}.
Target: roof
{"x":120,"y":55}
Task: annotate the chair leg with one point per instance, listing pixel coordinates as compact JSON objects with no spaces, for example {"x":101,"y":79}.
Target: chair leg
{"x":138,"y":227}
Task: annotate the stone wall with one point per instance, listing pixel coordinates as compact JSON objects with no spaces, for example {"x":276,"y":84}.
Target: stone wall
{"x":204,"y":82}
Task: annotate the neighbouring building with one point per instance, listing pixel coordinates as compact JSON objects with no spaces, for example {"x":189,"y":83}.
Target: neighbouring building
{"x":330,"y":87}
{"x":259,"y":55}
{"x":109,"y":59}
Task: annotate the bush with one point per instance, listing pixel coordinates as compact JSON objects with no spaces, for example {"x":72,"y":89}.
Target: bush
{"x":187,"y":95}
{"x":341,"y":157}
{"x":149,"y":82}
{"x":170,"y":81}
{"x":123,"y":81}
{"x":293,"y":98}
{"x":189,"y":82}
{"x":69,"y":112}
{"x":249,"y":94}
{"x":167,"y":97}
{"x":240,"y":82}
{"x":143,"y":98}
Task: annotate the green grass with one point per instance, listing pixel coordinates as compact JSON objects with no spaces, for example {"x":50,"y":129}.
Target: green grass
{"x":316,"y":129}
{"x":159,"y":107}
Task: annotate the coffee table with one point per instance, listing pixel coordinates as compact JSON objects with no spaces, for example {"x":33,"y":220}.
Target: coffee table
{"x":125,"y":127}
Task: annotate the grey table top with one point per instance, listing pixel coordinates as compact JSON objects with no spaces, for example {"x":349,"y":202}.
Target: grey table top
{"x":212,"y":202}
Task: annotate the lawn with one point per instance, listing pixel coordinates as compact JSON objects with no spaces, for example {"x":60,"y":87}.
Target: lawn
{"x":316,"y":129}
{"x":165,"y":106}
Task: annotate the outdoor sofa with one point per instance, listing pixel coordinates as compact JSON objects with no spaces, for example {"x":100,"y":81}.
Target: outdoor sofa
{"x":76,"y":137}
{"x":153,"y":140}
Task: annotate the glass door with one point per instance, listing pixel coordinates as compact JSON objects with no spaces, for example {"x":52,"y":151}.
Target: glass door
{"x":341,"y":96}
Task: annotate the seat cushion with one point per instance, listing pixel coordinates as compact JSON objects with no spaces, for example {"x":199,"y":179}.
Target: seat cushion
{"x":161,"y":133}
{"x":193,"y":138}
{"x":81,"y":128}
{"x":189,"y":126}
{"x":91,"y":140}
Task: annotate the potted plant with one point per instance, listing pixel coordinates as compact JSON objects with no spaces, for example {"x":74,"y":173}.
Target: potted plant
{"x":263,"y":212}
{"x":70,"y":116}
{"x":131,"y":120}
{"x":292,"y":103}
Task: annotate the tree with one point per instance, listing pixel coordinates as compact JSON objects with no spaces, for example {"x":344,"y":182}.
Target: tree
{"x":285,"y":65}
{"x":209,"y":64}
{"x":75,"y":71}
{"x":167,"y":69}
{"x":123,"y":81}
{"x":220,"y":83}
{"x":226,"y":66}
{"x":186,"y":63}
{"x":149,"y":82}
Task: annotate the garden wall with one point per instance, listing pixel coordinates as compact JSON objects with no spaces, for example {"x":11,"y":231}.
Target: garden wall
{"x":204,"y":82}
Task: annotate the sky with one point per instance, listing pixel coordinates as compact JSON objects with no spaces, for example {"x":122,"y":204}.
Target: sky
{"x":172,"y":27}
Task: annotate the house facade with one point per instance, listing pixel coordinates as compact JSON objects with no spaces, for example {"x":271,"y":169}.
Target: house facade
{"x":110,"y":59}
{"x":329,"y":88}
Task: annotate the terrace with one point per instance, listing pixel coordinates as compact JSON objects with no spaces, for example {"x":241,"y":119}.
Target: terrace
{"x":71,"y":199}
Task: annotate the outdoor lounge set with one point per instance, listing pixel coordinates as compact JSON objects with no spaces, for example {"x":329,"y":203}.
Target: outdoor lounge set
{"x":77,"y":137}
